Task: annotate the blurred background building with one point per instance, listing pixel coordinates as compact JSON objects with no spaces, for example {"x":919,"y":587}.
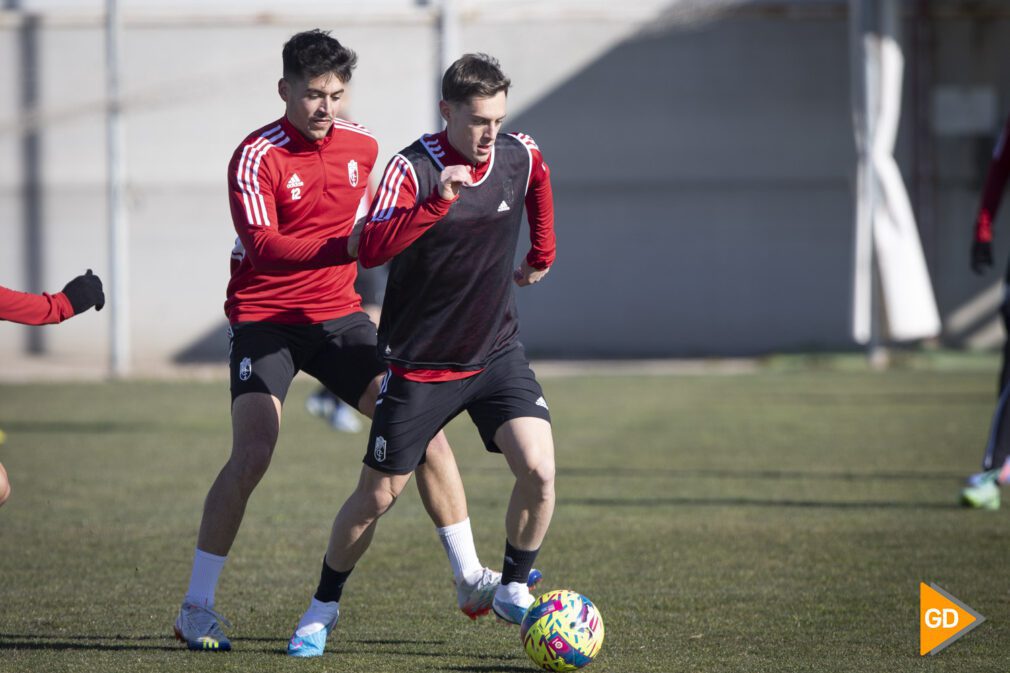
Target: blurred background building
{"x":703,"y":159}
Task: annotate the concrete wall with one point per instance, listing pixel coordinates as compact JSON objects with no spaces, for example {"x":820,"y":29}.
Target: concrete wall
{"x":703,"y":173}
{"x":704,"y":194}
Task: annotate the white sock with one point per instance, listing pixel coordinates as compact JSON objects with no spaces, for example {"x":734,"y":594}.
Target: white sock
{"x":458,"y":542}
{"x":514,"y":592}
{"x":203,"y":579}
{"x":317,"y":617}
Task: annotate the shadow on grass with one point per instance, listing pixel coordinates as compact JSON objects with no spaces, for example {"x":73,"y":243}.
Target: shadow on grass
{"x":502,"y":665}
{"x":267,"y":644}
{"x":771,"y":475}
{"x":490,"y":669}
{"x":753,"y":502}
{"x":72,"y":643}
{"x":347,"y":646}
{"x":384,"y":641}
{"x":57,"y":645}
{"x":63,"y":636}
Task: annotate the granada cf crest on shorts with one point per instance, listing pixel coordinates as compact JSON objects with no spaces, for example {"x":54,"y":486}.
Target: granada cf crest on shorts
{"x":380,"y":449}
{"x":245,"y":369}
{"x":352,"y":172}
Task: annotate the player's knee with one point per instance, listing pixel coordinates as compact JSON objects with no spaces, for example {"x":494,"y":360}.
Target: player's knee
{"x":249,"y":463}
{"x":539,"y":478}
{"x":545,"y":480}
{"x":376,"y":499}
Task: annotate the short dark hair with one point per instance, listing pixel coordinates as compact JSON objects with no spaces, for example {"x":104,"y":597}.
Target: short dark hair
{"x":313,"y":53}
{"x":473,"y":75}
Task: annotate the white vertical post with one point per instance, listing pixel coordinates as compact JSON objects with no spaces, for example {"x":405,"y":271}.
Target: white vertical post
{"x":906,"y":286}
{"x":887,"y":238}
{"x":118,"y":290}
{"x":448,"y":45}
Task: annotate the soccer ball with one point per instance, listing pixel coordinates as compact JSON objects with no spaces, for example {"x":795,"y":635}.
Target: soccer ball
{"x":562,"y":631}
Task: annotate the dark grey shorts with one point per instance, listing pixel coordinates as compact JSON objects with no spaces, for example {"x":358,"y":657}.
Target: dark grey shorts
{"x":264,"y":357}
{"x":408,"y":414}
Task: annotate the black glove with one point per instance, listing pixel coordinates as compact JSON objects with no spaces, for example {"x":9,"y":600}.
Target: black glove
{"x":84,"y":292}
{"x":981,"y":256}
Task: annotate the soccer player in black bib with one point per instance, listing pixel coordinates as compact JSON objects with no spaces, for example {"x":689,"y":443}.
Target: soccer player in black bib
{"x":448,"y":214}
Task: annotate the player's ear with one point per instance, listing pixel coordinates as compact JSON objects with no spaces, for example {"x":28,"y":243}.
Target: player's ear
{"x":283,"y":89}
{"x":445,"y":110}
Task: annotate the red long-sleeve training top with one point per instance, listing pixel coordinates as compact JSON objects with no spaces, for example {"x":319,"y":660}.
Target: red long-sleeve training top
{"x":293,"y":204}
{"x":34,"y":309}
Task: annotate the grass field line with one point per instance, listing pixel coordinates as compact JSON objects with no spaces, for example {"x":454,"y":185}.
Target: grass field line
{"x":54,"y":369}
{"x":62,"y":367}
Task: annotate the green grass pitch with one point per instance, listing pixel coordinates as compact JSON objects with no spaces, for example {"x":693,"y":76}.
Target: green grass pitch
{"x":773,"y":521}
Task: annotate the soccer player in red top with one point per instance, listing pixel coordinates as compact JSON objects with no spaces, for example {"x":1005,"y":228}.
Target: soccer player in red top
{"x":982,"y":490}
{"x":448,"y":214}
{"x":26,"y":308}
{"x":295,"y":187}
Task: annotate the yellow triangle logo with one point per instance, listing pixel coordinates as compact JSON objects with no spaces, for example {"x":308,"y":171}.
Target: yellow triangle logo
{"x":942,"y":619}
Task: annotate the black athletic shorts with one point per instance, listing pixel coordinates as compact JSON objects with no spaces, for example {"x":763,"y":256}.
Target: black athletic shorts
{"x":265,"y":356}
{"x":408,"y":414}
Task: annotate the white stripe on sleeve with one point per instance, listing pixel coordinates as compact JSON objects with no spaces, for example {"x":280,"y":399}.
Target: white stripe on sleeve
{"x":247,"y":174}
{"x":389,"y":190}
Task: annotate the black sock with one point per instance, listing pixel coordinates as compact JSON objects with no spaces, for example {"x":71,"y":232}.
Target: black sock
{"x":518,"y":564}
{"x":331,"y":584}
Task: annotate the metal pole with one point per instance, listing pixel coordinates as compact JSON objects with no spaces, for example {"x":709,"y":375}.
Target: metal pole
{"x":448,"y":45}
{"x":863,"y":111}
{"x":31,"y":160}
{"x":872,"y":56}
{"x":922,"y":67}
{"x":119,"y":299}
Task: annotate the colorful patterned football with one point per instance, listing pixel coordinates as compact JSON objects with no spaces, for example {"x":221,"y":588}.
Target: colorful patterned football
{"x":562,"y":631}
